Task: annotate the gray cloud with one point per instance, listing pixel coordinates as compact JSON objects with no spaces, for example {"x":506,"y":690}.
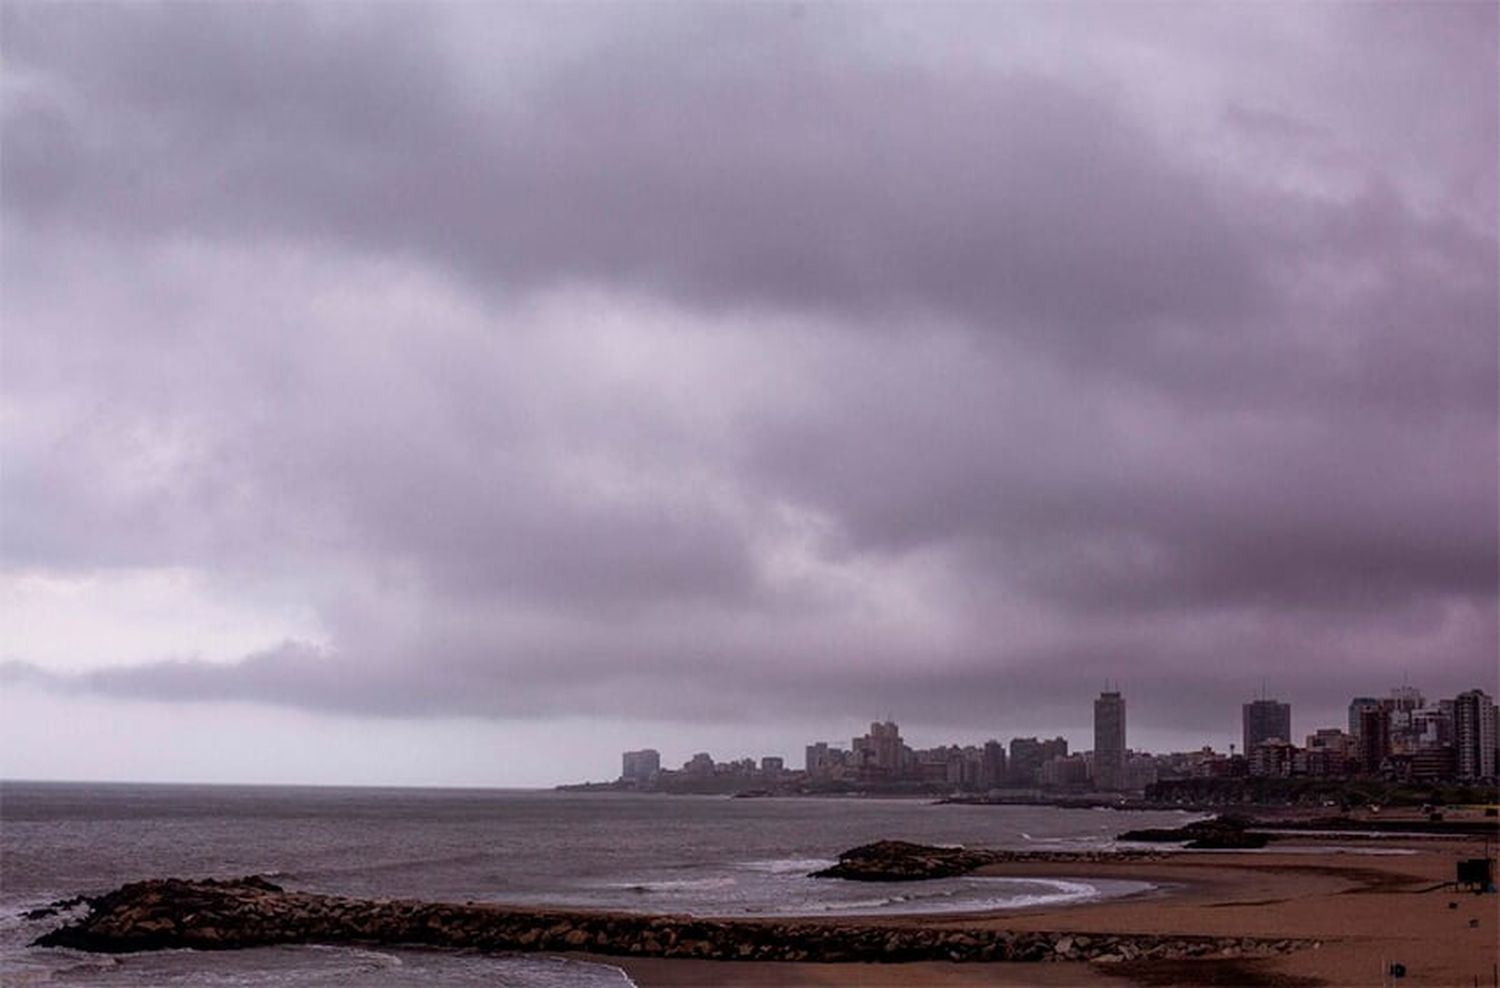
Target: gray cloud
{"x":709,"y":176}
{"x":711,"y":363}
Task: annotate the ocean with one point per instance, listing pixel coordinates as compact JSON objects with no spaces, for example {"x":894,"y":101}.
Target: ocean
{"x":710,"y":856}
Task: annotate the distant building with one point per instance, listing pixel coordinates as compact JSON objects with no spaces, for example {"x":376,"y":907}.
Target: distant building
{"x":1140,"y":771}
{"x":1329,"y":752}
{"x":772,"y":766}
{"x":1205,"y":763}
{"x":1432,"y":727}
{"x":879,"y":753}
{"x":1357,"y":706}
{"x":640,"y":766}
{"x":1474,"y":734}
{"x":1026,"y":759}
{"x":995,"y":764}
{"x":1272,"y":758}
{"x":1373,"y":743}
{"x":1407,"y":699}
{"x":1265,"y":720}
{"x":1438,"y":762}
{"x":1067,"y":772}
{"x":824,"y":762}
{"x":700,"y":764}
{"x":1109,"y":741}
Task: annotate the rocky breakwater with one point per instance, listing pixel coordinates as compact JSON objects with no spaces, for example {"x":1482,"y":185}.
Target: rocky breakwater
{"x":1227,"y":832}
{"x":248,"y":912}
{"x":903,"y":861}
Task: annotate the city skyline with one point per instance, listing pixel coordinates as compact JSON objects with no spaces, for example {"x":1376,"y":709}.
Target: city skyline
{"x":390,"y":390}
{"x":1465,"y":726}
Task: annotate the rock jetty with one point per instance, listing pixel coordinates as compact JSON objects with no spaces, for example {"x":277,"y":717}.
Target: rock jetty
{"x":903,"y":861}
{"x":250,"y":912}
{"x":1227,"y":832}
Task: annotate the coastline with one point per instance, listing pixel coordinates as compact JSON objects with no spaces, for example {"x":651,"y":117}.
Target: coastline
{"x":1363,"y":912}
{"x":1308,"y":910}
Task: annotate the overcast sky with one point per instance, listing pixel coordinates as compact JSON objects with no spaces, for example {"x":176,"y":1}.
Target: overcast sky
{"x":463,"y":394}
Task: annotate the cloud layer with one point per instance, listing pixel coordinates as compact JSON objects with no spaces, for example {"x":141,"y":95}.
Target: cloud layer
{"x":767,"y":362}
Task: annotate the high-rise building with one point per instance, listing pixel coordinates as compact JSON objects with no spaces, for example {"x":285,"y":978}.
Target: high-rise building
{"x":879,"y":752}
{"x":1474,"y":734}
{"x":1357,"y":706}
{"x":640,"y":766}
{"x":1025,"y":760}
{"x":994,"y":764}
{"x":1373,"y":743}
{"x":1028,"y":755}
{"x":815,"y":757}
{"x":1265,"y":720}
{"x":1109,"y":741}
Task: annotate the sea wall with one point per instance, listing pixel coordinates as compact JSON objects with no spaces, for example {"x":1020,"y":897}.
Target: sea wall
{"x":220,"y":915}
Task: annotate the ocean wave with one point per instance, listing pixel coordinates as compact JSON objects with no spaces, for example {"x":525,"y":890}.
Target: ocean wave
{"x":963,"y":897}
{"x":1077,"y":842}
{"x":788,"y":866}
{"x":378,"y":959}
{"x":675,"y":885}
{"x":950,"y":902}
{"x":1059,"y":886}
{"x":858,"y":904}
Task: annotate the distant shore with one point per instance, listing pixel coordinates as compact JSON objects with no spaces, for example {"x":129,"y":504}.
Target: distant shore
{"x":1294,"y":797}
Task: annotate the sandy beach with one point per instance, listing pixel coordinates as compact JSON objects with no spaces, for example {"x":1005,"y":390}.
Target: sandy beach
{"x":1366,"y":910}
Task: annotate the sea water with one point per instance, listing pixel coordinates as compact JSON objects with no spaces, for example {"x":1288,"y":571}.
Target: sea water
{"x":708,"y":856}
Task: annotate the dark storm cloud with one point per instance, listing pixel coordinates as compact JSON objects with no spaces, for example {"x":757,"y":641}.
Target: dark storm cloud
{"x":732,"y":362}
{"x":732,"y":163}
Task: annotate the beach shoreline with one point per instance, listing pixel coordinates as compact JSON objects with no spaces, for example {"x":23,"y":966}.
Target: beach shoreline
{"x":1307,"y":910}
{"x":1362,"y":911}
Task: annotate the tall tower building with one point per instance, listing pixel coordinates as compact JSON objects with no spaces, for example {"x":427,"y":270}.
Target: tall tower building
{"x":1374,"y":740}
{"x":1357,"y":706}
{"x":1474,"y":734}
{"x":1263,"y":720}
{"x":1109,"y":741}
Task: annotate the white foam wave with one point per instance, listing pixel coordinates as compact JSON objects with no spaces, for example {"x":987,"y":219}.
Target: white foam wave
{"x":377,"y":957}
{"x":788,"y":866}
{"x":1053,"y":892}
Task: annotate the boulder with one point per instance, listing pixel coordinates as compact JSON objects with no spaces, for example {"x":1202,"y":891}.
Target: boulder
{"x":903,"y":861}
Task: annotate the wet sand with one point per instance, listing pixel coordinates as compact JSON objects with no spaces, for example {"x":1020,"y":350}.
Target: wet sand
{"x":1367,"y":911}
